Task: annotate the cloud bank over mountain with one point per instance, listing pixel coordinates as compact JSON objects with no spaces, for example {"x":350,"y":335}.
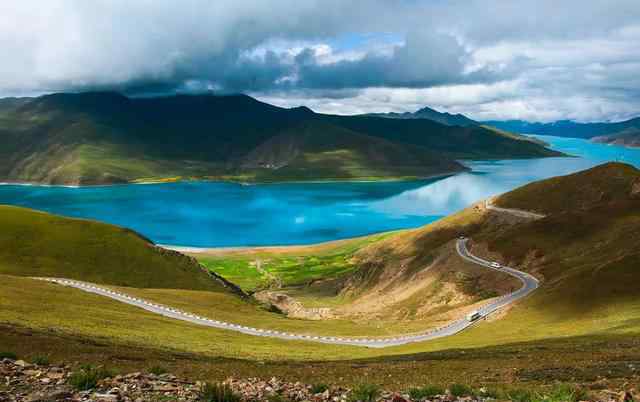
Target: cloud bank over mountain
{"x":541,"y":60}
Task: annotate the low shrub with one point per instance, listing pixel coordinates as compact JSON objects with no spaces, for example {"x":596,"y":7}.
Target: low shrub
{"x":365,"y":393}
{"x":87,"y":377}
{"x":564,"y":393}
{"x":319,"y":388}
{"x":8,"y":355}
{"x":520,"y":395}
{"x":157,"y":370}
{"x":40,"y":360}
{"x":217,"y":393}
{"x":460,"y":390}
{"x":427,"y":391}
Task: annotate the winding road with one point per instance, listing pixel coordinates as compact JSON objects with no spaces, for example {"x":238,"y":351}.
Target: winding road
{"x":529,"y":285}
{"x":488,"y":204}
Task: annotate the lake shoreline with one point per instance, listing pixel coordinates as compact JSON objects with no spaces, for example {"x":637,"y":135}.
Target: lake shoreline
{"x":220,"y":217}
{"x":241,"y":183}
{"x":298,"y":248}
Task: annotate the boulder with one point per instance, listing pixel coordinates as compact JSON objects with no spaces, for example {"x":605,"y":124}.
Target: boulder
{"x":635,"y":189}
{"x":106,"y":397}
{"x":55,"y":395}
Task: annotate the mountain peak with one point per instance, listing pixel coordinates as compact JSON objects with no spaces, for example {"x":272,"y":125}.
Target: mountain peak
{"x":302,"y":110}
{"x":428,"y":113}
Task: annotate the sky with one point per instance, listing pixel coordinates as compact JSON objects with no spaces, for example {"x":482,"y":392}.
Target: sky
{"x":537,"y":60}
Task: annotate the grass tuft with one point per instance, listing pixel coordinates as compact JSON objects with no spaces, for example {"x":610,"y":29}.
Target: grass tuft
{"x":87,"y":377}
{"x":319,"y":388}
{"x":8,"y":355}
{"x":40,"y":360}
{"x":520,"y":395}
{"x":365,"y":393}
{"x":427,"y":391}
{"x":217,"y":393}
{"x":460,"y":390}
{"x":564,"y":393}
{"x":157,"y":370}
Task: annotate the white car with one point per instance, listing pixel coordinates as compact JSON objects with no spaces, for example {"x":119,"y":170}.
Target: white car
{"x":495,"y":265}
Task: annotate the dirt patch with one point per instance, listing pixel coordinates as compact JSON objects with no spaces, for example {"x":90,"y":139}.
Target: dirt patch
{"x":292,"y":308}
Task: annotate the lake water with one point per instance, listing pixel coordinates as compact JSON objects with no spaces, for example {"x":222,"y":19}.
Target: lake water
{"x":205,"y":214}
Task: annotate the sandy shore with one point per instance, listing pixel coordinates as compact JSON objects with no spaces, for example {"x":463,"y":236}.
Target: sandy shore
{"x":297,"y":249}
{"x":160,"y":181}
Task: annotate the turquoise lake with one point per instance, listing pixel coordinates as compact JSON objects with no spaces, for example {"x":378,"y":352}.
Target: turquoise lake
{"x":211,"y":214}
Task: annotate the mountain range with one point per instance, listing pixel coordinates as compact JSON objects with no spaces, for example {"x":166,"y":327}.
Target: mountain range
{"x":106,"y":137}
{"x":624,"y":133}
{"x":445,"y":118}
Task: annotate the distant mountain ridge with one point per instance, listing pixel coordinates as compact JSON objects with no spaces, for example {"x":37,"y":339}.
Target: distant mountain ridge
{"x":105,"y":137}
{"x":445,"y":118}
{"x":629,"y":137}
{"x":566,"y":128}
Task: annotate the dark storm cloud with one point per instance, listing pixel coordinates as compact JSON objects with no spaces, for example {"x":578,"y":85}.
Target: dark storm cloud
{"x":489,"y":58}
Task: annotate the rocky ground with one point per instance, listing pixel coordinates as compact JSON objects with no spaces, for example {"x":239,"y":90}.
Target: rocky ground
{"x":27,"y":382}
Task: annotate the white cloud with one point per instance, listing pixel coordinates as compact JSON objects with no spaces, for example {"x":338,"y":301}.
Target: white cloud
{"x":538,"y":60}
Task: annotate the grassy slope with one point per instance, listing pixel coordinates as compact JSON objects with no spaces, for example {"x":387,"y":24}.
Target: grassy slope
{"x":583,"y":319}
{"x":104,"y":137}
{"x":586,"y":249}
{"x":39,"y":244}
{"x":574,"y":193}
{"x":459,"y":142}
{"x":590,"y":343}
{"x":294,"y":266}
{"x":316,"y":149}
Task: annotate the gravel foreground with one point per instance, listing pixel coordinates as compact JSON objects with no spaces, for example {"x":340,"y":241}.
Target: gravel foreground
{"x":27,"y":382}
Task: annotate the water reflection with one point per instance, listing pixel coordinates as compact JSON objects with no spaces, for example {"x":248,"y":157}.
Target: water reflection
{"x":490,"y":178}
{"x":223,"y":214}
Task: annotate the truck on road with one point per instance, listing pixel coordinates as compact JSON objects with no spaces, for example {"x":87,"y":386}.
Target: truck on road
{"x":474,"y":315}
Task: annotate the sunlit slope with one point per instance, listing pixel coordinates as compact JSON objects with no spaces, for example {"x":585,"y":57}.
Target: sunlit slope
{"x":586,"y":256}
{"x":586,"y":252}
{"x":611,"y":184}
{"x":316,"y":150}
{"x":35,"y":243}
{"x":587,"y":249}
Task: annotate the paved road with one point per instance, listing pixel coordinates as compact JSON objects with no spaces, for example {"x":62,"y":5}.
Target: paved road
{"x":529,"y":284}
{"x":488,"y":204}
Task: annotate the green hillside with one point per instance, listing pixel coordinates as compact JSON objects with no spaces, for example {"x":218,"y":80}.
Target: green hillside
{"x":581,"y":324}
{"x":94,"y":138}
{"x":585,"y":252}
{"x":39,"y":244}
{"x":459,"y":142}
{"x":607,"y":184}
{"x":300,"y":153}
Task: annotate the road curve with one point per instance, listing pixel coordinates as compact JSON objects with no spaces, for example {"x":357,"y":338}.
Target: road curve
{"x":488,"y":204}
{"x":528,"y":281}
